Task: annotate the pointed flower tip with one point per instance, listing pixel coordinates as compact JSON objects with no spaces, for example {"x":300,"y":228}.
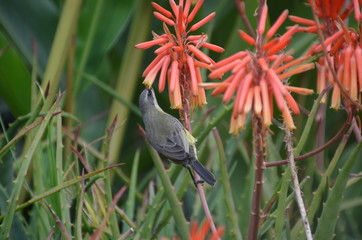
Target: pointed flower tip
{"x":247,"y":38}
{"x":147,"y":83}
{"x":148,"y":44}
{"x":202,"y":22}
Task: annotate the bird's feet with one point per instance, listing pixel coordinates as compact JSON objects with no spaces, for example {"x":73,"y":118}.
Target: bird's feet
{"x":198,"y":182}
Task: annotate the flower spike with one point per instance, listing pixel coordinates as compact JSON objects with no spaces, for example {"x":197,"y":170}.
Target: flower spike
{"x":175,"y":56}
{"x":257,"y":78}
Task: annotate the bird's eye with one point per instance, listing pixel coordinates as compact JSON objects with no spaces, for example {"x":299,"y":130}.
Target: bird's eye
{"x":149,"y":93}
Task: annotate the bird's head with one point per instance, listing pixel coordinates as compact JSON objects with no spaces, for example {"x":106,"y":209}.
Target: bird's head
{"x":148,"y":100}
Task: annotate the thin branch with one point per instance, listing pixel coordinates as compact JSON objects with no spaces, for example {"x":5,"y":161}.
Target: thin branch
{"x":59,"y":223}
{"x":185,"y":116}
{"x":356,"y":130}
{"x":240,"y":5}
{"x":303,"y":110}
{"x":204,"y":204}
{"x":127,"y":234}
{"x":102,"y":226}
{"x":317,"y":150}
{"x":298,"y":194}
{"x":268,"y":207}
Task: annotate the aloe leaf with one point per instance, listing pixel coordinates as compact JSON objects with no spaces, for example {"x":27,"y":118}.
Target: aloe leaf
{"x":14,"y":80}
{"x":179,"y":217}
{"x":235,"y":232}
{"x":329,"y":217}
{"x":60,"y":187}
{"x":66,"y":27}
{"x":18,"y":183}
{"x":130,"y":205}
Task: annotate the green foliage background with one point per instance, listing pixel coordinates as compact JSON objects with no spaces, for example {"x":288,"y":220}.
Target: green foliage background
{"x":104,"y":79}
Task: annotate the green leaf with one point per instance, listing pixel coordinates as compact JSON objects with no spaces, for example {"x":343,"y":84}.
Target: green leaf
{"x":18,"y":183}
{"x":14,"y":80}
{"x":329,"y":217}
{"x":29,"y":22}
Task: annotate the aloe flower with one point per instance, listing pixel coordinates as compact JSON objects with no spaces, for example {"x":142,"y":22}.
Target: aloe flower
{"x":179,"y":57}
{"x":201,"y":233}
{"x":261,"y":76}
{"x":344,"y":47}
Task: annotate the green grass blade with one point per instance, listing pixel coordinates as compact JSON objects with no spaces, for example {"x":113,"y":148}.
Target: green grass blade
{"x":317,"y":196}
{"x":88,"y":44}
{"x":64,"y":205}
{"x":78,"y":218}
{"x":61,"y":187}
{"x":306,"y":131}
{"x":282,"y":199}
{"x":18,"y":183}
{"x":131,"y":201}
{"x":181,"y":225}
{"x":61,"y":44}
{"x":108,"y":181}
{"x":329,"y":217}
{"x":228,"y":196}
{"x":201,"y":135}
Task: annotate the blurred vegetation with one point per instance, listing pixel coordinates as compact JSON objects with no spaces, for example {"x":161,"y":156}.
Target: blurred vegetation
{"x":67,"y":68}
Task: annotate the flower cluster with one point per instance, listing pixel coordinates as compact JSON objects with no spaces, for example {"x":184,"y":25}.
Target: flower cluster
{"x":344,"y":47}
{"x":176,"y":55}
{"x":258,"y":77}
{"x":345,"y":54}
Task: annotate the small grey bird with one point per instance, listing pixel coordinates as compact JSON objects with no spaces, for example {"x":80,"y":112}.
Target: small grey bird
{"x":167,"y":135}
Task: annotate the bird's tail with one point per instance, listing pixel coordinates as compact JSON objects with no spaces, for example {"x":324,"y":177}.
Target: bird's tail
{"x":205,"y":174}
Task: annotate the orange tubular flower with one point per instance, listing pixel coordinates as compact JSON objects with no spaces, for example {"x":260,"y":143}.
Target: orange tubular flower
{"x":344,"y":47}
{"x":345,"y":55}
{"x":197,"y":233}
{"x":258,"y":77}
{"x":179,"y":57}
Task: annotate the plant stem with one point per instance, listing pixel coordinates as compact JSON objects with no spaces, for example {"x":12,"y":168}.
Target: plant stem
{"x":235,"y":232}
{"x":240,"y":5}
{"x":259,"y":134}
{"x":181,"y":225}
{"x":259,"y":142}
{"x":320,"y":134}
{"x":59,"y":51}
{"x":315,"y":151}
{"x":298,"y":194}
{"x":185,"y":116}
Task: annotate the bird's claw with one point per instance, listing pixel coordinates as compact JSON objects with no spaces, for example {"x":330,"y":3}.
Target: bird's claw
{"x":198,"y":182}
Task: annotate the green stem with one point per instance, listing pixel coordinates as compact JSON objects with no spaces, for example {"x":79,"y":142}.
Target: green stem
{"x":88,"y":44}
{"x":108,"y":182}
{"x":59,"y":188}
{"x":181,"y":225}
{"x":329,"y":217}
{"x":308,"y":125}
{"x":317,"y":198}
{"x":129,"y":73}
{"x":206,"y":130}
{"x":67,"y":23}
{"x":229,"y":202}
{"x":18,"y":183}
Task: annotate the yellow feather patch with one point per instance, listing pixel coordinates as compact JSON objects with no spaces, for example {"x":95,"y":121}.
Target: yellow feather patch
{"x":190,"y":138}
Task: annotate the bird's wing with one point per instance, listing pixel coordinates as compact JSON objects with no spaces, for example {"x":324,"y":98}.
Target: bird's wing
{"x":177,"y":146}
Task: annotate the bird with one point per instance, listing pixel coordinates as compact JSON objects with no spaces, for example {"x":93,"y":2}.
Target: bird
{"x":169,"y":138}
